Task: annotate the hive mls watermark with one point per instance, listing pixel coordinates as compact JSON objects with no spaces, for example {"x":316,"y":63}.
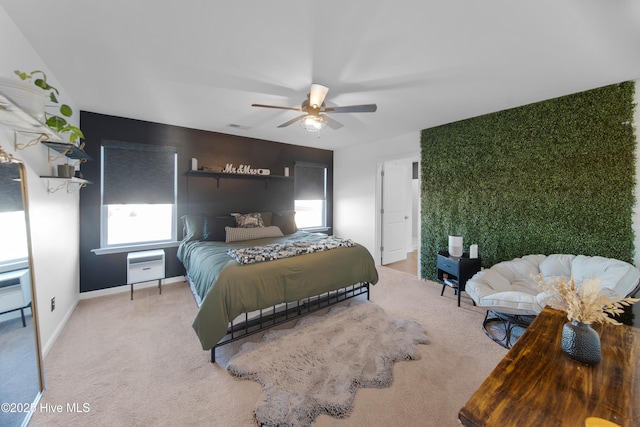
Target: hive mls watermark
{"x":70,"y":407}
{"x":75,"y":407}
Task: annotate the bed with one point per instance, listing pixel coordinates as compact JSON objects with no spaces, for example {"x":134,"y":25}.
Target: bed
{"x":238,"y":299}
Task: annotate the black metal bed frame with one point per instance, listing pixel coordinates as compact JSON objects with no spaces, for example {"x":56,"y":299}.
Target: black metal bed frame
{"x":276,"y":315}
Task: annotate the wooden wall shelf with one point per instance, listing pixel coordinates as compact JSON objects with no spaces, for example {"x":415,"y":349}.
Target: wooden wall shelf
{"x":218,"y":175}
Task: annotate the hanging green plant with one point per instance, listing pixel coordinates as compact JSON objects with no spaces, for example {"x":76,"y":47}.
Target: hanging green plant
{"x":57,"y":123}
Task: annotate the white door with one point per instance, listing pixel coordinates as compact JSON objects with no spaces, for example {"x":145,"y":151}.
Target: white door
{"x":396,"y":204}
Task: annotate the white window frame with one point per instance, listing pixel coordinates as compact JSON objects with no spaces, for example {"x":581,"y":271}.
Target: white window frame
{"x":324,"y":226}
{"x":122,"y":247}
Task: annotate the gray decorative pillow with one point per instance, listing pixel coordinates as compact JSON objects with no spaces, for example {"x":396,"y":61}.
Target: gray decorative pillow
{"x":237,"y":234}
{"x":192,"y":226}
{"x":266,"y":218}
{"x":214,"y":227}
{"x":286,"y":221}
{"x":250,"y":220}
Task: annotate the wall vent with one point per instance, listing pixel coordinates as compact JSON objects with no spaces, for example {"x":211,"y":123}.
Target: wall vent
{"x":236,"y":126}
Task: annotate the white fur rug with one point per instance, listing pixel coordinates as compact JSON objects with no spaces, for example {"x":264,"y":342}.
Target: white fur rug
{"x":317,"y":366}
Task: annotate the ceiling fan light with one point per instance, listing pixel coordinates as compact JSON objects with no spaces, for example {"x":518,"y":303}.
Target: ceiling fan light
{"x":314,"y":123}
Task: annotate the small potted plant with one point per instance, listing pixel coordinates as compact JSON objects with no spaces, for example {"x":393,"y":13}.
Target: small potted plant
{"x":56,"y":122}
{"x":584,"y":304}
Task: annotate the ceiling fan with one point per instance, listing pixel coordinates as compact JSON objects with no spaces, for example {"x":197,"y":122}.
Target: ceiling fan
{"x":315,"y":118}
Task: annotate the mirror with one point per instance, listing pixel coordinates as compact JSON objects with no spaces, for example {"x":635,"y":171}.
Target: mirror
{"x":21,"y":377}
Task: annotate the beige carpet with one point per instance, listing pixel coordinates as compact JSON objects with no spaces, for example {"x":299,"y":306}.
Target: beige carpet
{"x":138,"y":363}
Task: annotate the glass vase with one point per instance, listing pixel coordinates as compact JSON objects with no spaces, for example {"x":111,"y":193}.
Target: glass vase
{"x":581,"y":343}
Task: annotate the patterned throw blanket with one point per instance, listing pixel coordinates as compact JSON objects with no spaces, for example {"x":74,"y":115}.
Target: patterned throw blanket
{"x":285,"y":250}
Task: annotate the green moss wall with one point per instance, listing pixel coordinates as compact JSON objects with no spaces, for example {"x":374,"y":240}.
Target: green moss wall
{"x":553,"y":177}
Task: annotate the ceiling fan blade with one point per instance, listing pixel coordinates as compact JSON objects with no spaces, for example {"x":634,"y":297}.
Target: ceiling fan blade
{"x":292,"y":121}
{"x":332,"y":123}
{"x":317,"y":93}
{"x":366,"y":108}
{"x":276,"y":106}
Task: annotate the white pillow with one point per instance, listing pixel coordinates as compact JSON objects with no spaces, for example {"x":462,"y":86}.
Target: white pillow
{"x":236,"y":234}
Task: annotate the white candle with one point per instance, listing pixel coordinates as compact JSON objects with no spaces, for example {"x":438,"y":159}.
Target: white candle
{"x":473,"y":251}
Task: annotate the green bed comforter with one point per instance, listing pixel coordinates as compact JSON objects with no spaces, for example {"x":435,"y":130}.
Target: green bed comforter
{"x":225,"y":289}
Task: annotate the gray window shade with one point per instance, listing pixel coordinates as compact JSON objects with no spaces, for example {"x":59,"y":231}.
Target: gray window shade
{"x":309,"y":181}
{"x":10,"y":190}
{"x":138,"y":173}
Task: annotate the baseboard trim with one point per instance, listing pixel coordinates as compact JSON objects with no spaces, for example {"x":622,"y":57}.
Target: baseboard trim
{"x":47,"y":346}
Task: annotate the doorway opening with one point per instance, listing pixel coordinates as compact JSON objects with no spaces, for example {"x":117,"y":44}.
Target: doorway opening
{"x":409,"y":265}
{"x":399,"y":213}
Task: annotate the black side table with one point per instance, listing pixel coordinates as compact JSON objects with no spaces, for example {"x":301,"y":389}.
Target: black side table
{"x":454,"y":271}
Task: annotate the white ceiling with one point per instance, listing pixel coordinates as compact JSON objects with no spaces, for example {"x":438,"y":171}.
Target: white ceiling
{"x":202,"y":63}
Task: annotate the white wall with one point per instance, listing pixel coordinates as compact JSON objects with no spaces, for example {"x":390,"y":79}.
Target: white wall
{"x":355,"y":178}
{"x":54,"y":217}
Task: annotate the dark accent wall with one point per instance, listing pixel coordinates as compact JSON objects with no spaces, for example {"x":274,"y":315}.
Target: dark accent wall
{"x":553,"y":177}
{"x":195,"y":194}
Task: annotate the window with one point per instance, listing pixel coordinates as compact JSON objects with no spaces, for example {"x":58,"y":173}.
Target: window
{"x":138,"y":223}
{"x":13,"y":227}
{"x":13,"y":230}
{"x":310,"y":188}
{"x":138,"y":194}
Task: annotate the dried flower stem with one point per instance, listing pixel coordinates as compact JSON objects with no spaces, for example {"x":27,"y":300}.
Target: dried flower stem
{"x":584,"y":303}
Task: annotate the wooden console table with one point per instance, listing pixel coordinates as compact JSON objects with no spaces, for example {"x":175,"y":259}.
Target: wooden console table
{"x":536,"y":384}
